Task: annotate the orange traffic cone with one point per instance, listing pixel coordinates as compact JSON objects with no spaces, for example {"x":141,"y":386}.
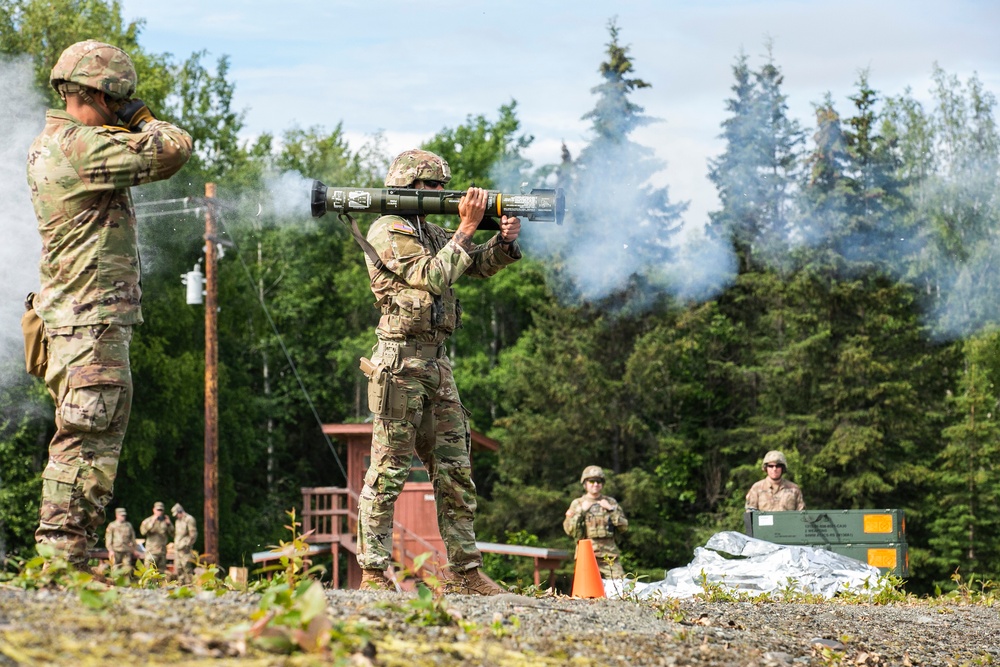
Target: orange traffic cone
{"x":586,"y":575}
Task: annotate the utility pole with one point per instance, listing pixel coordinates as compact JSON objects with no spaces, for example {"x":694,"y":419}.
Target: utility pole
{"x":267,"y":374}
{"x":211,"y":383}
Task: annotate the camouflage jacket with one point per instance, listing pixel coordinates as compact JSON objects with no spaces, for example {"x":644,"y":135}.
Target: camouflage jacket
{"x":185,"y":533}
{"x":157,"y":533}
{"x":780,"y":496}
{"x":595,"y":522}
{"x":422,"y":262}
{"x":119,"y":536}
{"x":79,"y":177}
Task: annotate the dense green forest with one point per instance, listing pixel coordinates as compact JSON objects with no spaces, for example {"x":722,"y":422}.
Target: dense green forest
{"x":841,"y":305}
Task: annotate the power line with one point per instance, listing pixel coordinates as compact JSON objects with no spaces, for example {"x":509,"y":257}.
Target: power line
{"x":157,"y":214}
{"x":157,"y":202}
{"x":284,"y":349}
{"x":204,"y":204}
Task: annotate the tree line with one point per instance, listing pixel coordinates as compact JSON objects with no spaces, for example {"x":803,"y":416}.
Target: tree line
{"x":838,"y":306}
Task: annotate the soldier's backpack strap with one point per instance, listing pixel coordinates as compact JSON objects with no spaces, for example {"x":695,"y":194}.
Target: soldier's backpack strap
{"x":362,"y":241}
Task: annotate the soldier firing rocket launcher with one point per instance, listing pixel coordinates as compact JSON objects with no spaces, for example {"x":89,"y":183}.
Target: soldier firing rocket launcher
{"x":542,"y":205}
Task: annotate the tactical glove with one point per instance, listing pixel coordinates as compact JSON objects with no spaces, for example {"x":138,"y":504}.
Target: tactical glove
{"x":134,"y":114}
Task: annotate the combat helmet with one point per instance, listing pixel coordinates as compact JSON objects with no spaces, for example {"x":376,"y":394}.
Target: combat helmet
{"x":96,"y":65}
{"x":416,"y":165}
{"x":592,"y":472}
{"x":774,"y":456}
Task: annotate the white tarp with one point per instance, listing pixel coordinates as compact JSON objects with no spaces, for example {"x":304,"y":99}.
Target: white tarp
{"x":755,"y":566}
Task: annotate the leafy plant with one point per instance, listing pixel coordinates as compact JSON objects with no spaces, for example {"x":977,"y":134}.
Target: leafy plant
{"x":669,"y":609}
{"x":50,"y":570}
{"x":149,"y":577}
{"x":294,"y":619}
{"x":429,"y":607}
{"x":972,"y":590}
{"x":294,"y":564}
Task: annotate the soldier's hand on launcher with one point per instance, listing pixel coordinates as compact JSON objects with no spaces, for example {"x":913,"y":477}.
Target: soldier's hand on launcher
{"x":471,"y":208}
{"x":510,"y":228}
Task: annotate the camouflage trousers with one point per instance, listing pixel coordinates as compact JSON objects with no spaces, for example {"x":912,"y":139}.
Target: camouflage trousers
{"x":90,"y":382}
{"x":124,"y":560}
{"x":156,"y":559}
{"x":608,"y":557}
{"x":184,"y":564}
{"x":436,"y":428}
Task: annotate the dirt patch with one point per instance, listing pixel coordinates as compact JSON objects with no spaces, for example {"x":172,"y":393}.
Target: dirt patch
{"x":156,"y":627}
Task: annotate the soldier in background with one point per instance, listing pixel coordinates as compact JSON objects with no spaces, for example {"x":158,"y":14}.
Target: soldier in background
{"x":411,"y":387}
{"x":158,"y":531}
{"x":80,"y":169}
{"x":774,"y":493}
{"x":119,"y":540}
{"x":598,"y":518}
{"x":185,"y":534}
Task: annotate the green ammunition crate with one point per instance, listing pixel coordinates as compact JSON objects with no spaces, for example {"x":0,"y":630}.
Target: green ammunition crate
{"x":810,"y":527}
{"x":888,"y":558}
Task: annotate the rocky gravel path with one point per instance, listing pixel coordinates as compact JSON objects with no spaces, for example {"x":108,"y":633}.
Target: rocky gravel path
{"x":151,"y":627}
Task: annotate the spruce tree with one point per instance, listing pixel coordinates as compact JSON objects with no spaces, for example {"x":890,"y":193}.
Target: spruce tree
{"x":627,"y":223}
{"x":755,"y":174}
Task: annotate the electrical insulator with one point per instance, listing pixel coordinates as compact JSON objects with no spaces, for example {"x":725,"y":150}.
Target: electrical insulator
{"x":195,"y":282}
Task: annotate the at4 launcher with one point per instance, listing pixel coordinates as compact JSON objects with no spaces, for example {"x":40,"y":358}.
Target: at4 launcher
{"x":542,"y":205}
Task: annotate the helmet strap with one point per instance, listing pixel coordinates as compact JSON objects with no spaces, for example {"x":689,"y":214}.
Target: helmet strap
{"x":85,"y":96}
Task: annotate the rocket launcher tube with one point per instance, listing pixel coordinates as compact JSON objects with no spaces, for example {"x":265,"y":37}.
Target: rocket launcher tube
{"x":543,"y":205}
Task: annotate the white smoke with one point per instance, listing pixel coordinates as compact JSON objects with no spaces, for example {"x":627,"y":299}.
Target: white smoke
{"x":286,"y":195}
{"x":22,"y":116}
{"x":617,"y":231}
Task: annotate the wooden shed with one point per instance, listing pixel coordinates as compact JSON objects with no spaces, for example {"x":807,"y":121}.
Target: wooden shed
{"x":332,"y":512}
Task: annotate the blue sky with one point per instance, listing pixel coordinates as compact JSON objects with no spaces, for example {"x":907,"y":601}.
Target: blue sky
{"x":408,"y":69}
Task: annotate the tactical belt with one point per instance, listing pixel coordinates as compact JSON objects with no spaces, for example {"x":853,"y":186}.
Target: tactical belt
{"x":403,"y":349}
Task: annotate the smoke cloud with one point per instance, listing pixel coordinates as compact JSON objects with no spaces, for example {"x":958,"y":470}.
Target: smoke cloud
{"x":286,"y":196}
{"x":619,"y":228}
{"x":22,"y":116}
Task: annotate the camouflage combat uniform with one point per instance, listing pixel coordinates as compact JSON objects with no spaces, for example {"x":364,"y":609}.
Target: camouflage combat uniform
{"x":600,"y":526}
{"x":185,"y":534}
{"x":158,"y":534}
{"x":775,"y":496}
{"x":119,"y":540}
{"x":79,"y":178}
{"x":419,"y":312}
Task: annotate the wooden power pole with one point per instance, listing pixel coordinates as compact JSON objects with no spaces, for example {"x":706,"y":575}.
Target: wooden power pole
{"x":211,"y":383}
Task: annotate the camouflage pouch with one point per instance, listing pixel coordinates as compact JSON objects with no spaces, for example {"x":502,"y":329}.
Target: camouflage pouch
{"x":412,"y":312}
{"x":385,"y":399}
{"x":597,"y":525}
{"x":36,"y":348}
{"x":93,"y":396}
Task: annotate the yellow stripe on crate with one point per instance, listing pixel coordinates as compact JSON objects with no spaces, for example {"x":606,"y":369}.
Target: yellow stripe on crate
{"x":878,"y":523}
{"x":882,"y":558}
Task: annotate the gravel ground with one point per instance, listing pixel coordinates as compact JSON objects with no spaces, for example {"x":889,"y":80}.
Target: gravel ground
{"x":151,"y":627}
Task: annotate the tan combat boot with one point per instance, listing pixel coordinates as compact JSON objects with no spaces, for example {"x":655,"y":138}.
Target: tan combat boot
{"x":472,"y":582}
{"x":374,"y":580}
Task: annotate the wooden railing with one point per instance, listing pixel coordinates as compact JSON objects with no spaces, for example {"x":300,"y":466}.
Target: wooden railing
{"x":327,"y":512}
